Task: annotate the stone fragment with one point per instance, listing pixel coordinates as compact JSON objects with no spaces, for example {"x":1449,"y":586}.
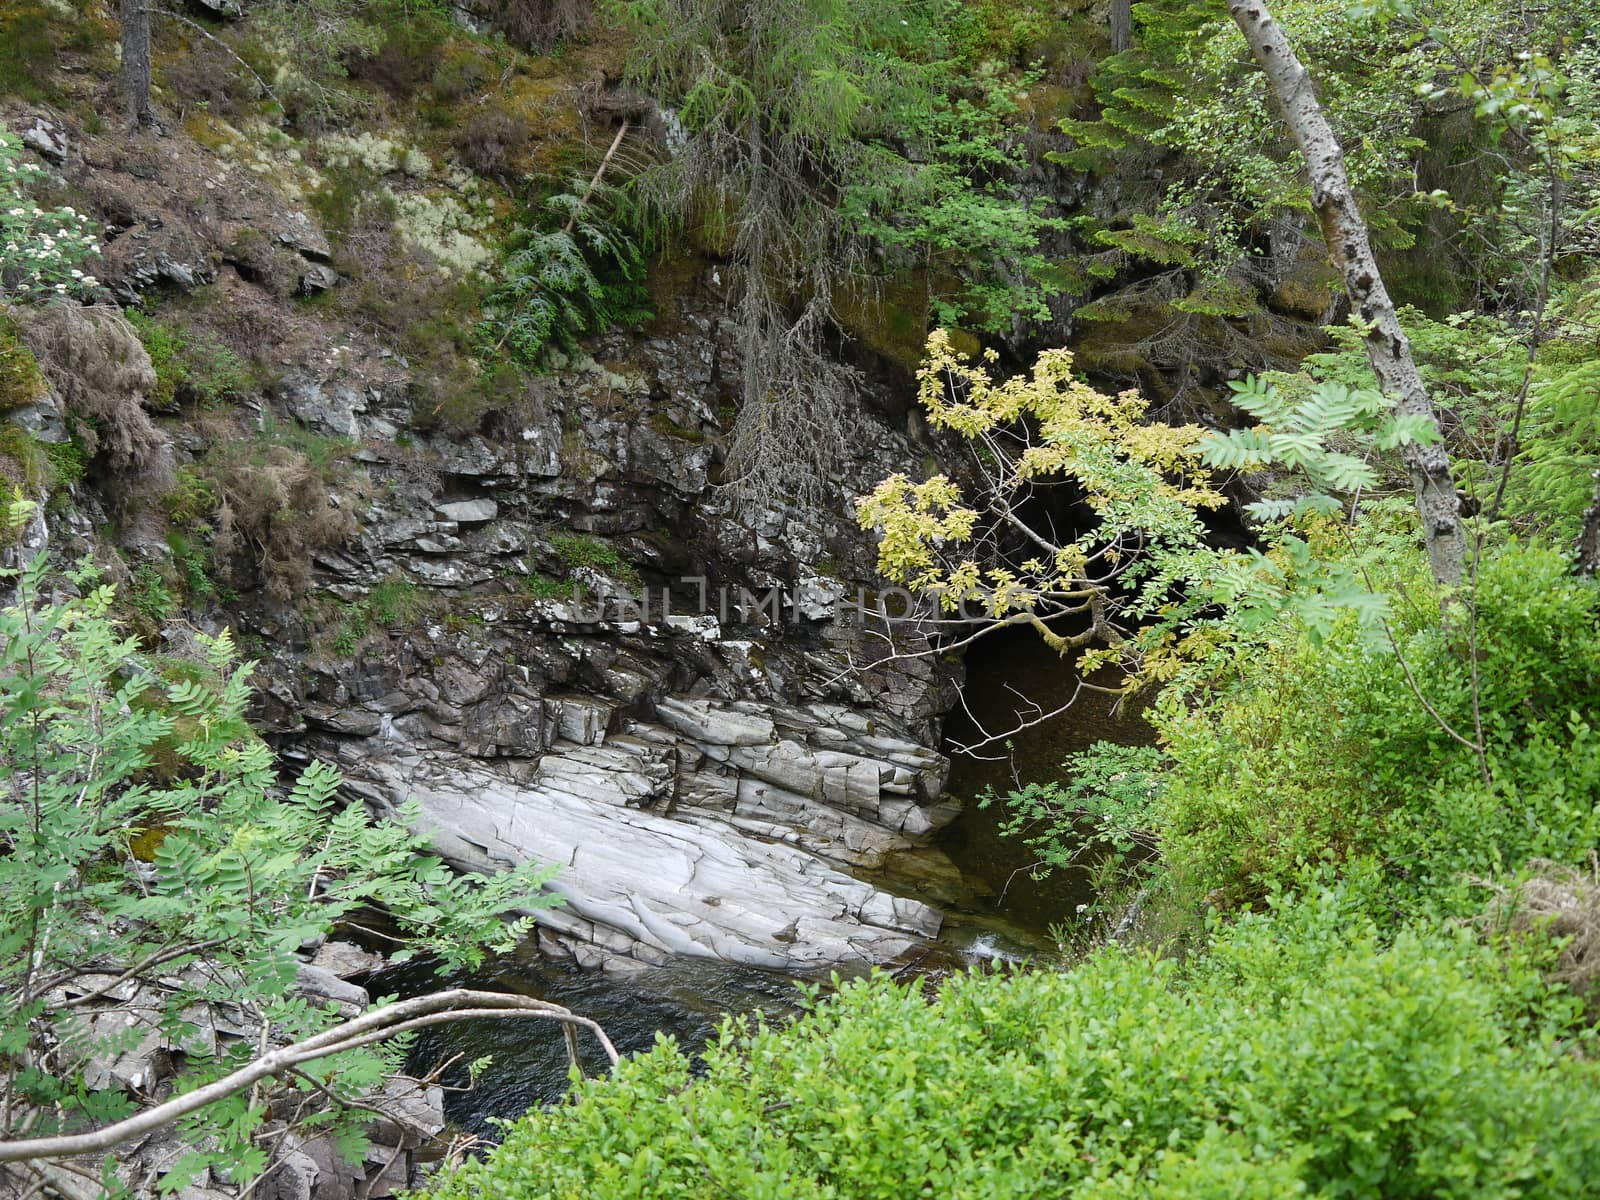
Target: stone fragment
{"x":345,"y":959}
{"x":467,"y":512}
{"x":46,"y":139}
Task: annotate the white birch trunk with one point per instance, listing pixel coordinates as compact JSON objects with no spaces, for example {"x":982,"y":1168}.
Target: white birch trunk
{"x":1345,"y":231}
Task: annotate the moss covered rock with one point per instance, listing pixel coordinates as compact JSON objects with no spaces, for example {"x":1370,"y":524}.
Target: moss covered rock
{"x":21,"y":382}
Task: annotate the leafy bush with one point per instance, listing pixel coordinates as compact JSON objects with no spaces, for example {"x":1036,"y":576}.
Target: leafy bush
{"x":235,"y":875}
{"x":1112,"y":791}
{"x":1551,"y":483}
{"x":1320,"y":751}
{"x":42,"y":250}
{"x":1301,"y":1056}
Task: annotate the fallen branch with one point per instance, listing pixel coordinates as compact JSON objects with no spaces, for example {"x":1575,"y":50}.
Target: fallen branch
{"x":457,"y":1004}
{"x":599,"y":174}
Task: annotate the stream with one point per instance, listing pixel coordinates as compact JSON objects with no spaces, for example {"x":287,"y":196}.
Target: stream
{"x":995,"y":911}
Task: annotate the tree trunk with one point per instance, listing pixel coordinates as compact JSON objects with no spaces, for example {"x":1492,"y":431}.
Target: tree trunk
{"x":1589,"y":539}
{"x":136,"y":61}
{"x":1345,"y":231}
{"x":1121,"y":25}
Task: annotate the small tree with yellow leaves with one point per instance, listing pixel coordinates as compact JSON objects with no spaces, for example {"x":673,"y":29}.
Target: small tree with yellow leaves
{"x":1081,"y":520}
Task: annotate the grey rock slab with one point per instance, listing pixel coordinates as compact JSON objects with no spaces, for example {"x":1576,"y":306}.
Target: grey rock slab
{"x":651,"y":884}
{"x":300,"y":233}
{"x":46,"y":139}
{"x":468,"y":512}
{"x":712,"y":724}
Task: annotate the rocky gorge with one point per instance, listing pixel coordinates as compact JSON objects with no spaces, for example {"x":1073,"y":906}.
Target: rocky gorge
{"x":706,"y":779}
{"x":526,"y":603}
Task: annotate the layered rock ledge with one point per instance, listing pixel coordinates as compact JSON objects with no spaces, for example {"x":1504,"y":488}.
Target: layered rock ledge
{"x":722,"y":830}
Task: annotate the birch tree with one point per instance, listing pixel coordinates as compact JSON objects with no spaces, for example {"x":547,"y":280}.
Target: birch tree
{"x":1345,"y":231}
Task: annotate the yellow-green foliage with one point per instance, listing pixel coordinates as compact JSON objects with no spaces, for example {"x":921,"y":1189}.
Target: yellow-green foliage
{"x":1142,"y":480}
{"x":1306,"y":1056}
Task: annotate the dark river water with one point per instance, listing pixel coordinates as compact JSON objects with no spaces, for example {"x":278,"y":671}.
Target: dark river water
{"x":995,"y":909}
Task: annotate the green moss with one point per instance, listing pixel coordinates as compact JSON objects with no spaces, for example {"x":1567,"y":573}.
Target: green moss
{"x":21,"y":382}
{"x":890,"y":319}
{"x":23,"y":462}
{"x":667,"y":427}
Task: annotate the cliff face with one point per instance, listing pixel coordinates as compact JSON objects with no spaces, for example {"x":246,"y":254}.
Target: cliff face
{"x":705,"y":776}
{"x":545,"y":621}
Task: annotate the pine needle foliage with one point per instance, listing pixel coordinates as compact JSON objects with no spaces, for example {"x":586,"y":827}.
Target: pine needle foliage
{"x":573,"y":273}
{"x":821,"y":146}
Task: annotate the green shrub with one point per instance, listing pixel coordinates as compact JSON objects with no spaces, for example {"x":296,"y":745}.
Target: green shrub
{"x":1321,"y":752}
{"x":542,"y":587}
{"x":150,"y":597}
{"x":68,"y":462}
{"x":1109,"y":790}
{"x":1302,"y":1056}
{"x":192,"y":498}
{"x":191,"y":366}
{"x":392,"y":603}
{"x":193,"y":566}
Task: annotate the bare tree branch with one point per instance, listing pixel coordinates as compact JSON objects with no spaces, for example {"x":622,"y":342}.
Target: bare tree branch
{"x":456,"y":1004}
